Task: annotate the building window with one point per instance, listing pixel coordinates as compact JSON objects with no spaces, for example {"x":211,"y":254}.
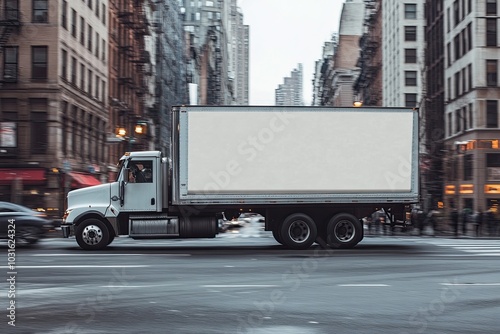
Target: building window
{"x":64,"y":14}
{"x":40,"y":11}
{"x":65,"y":128}
{"x":89,"y":3}
{"x":82,"y":76}
{"x":97,"y":7}
{"x":456,"y":44}
{"x":410,"y":11}
{"x":89,"y":36}
{"x":469,"y":77}
{"x":458,"y":122}
{"x":491,"y":7}
{"x":10,"y":63}
{"x":103,"y":56}
{"x":11,"y":9}
{"x":38,"y":133}
{"x":457,"y":84}
{"x":471,"y":116}
{"x":465,"y":126}
{"x":103,"y":14}
{"x":456,"y":12}
{"x":89,"y":82}
{"x":410,"y":100}
{"x":73,"y":71}
{"x":410,"y":78}
{"x":468,"y":167}
{"x":411,"y":56}
{"x":448,"y":49}
{"x":97,"y":90}
{"x":491,"y":72}
{"x":64,"y":64}
{"x":39,"y":62}
{"x":97,"y":38}
{"x":469,"y":36}
{"x":464,"y":81}
{"x":410,"y":33}
{"x":82,"y":30}
{"x":73,"y":23}
{"x":449,"y":123}
{"x":492,"y":114}
{"x":491,"y":32}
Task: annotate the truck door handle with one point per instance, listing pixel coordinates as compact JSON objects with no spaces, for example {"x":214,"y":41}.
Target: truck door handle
{"x":152,"y":201}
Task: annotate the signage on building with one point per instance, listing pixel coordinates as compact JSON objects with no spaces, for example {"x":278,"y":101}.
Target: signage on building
{"x":8,"y":134}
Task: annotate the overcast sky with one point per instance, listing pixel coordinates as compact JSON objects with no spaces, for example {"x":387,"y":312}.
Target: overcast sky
{"x":284,"y":33}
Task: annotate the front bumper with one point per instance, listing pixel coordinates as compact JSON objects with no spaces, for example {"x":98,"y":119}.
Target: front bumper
{"x":67,"y":230}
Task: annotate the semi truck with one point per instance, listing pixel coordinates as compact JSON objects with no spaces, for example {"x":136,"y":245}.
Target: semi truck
{"x":313,"y":172}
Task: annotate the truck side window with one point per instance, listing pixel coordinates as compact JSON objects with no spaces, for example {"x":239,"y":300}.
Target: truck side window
{"x":141,"y":171}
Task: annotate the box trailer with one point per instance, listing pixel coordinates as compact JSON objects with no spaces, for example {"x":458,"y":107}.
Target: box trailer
{"x":312,"y":172}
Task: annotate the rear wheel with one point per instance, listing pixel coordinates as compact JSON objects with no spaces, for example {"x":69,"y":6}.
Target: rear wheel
{"x":298,"y":231}
{"x":92,"y":234}
{"x":277,"y":236}
{"x":344,"y":231}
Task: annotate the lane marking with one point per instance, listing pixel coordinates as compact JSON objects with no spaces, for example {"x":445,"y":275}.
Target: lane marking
{"x":469,"y":284}
{"x":80,"y":266}
{"x":111,"y":254}
{"x":363,"y":285}
{"x":239,"y":286}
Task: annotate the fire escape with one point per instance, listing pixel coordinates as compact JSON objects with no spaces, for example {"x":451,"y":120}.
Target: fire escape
{"x":9,"y":23}
{"x":215,"y":95}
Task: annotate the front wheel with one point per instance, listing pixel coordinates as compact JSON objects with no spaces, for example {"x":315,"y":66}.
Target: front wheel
{"x":28,"y":235}
{"x":92,"y":234}
{"x":298,"y":231}
{"x":344,"y":231}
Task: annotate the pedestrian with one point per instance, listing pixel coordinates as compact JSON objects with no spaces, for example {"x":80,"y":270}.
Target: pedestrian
{"x":490,"y":221}
{"x":478,"y":222}
{"x":465,"y":220}
{"x":431,"y":219}
{"x":454,"y":221}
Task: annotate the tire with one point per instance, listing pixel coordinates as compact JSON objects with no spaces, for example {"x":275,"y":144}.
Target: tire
{"x":28,"y":235}
{"x":111,"y":238}
{"x":344,"y":231}
{"x":298,"y":231}
{"x":92,"y":234}
{"x":277,"y":236}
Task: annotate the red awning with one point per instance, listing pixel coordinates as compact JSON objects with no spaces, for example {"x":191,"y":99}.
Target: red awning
{"x":28,"y":176}
{"x":82,"y":180}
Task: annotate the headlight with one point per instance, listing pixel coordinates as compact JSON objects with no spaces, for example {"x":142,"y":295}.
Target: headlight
{"x":66,"y":214}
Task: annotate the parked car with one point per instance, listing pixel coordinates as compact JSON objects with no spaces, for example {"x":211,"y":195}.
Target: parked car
{"x":29,"y":225}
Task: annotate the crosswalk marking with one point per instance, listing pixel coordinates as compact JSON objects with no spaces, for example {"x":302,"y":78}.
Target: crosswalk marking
{"x":476,"y":247}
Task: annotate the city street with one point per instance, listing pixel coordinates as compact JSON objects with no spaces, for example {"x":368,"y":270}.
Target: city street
{"x":244,"y":282}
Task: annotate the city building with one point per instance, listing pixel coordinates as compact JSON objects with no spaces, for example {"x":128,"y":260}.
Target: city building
{"x":53,"y":99}
{"x":323,"y":72}
{"x":130,"y":79}
{"x":238,"y":55}
{"x":207,"y":54}
{"x":403,"y":51}
{"x":368,"y":85}
{"x":432,"y":120}
{"x":290,"y":92}
{"x":339,"y":92}
{"x":169,"y":70}
{"x":471,"y":117}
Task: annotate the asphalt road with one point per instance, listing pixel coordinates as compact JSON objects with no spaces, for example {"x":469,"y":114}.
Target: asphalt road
{"x":246,"y":283}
